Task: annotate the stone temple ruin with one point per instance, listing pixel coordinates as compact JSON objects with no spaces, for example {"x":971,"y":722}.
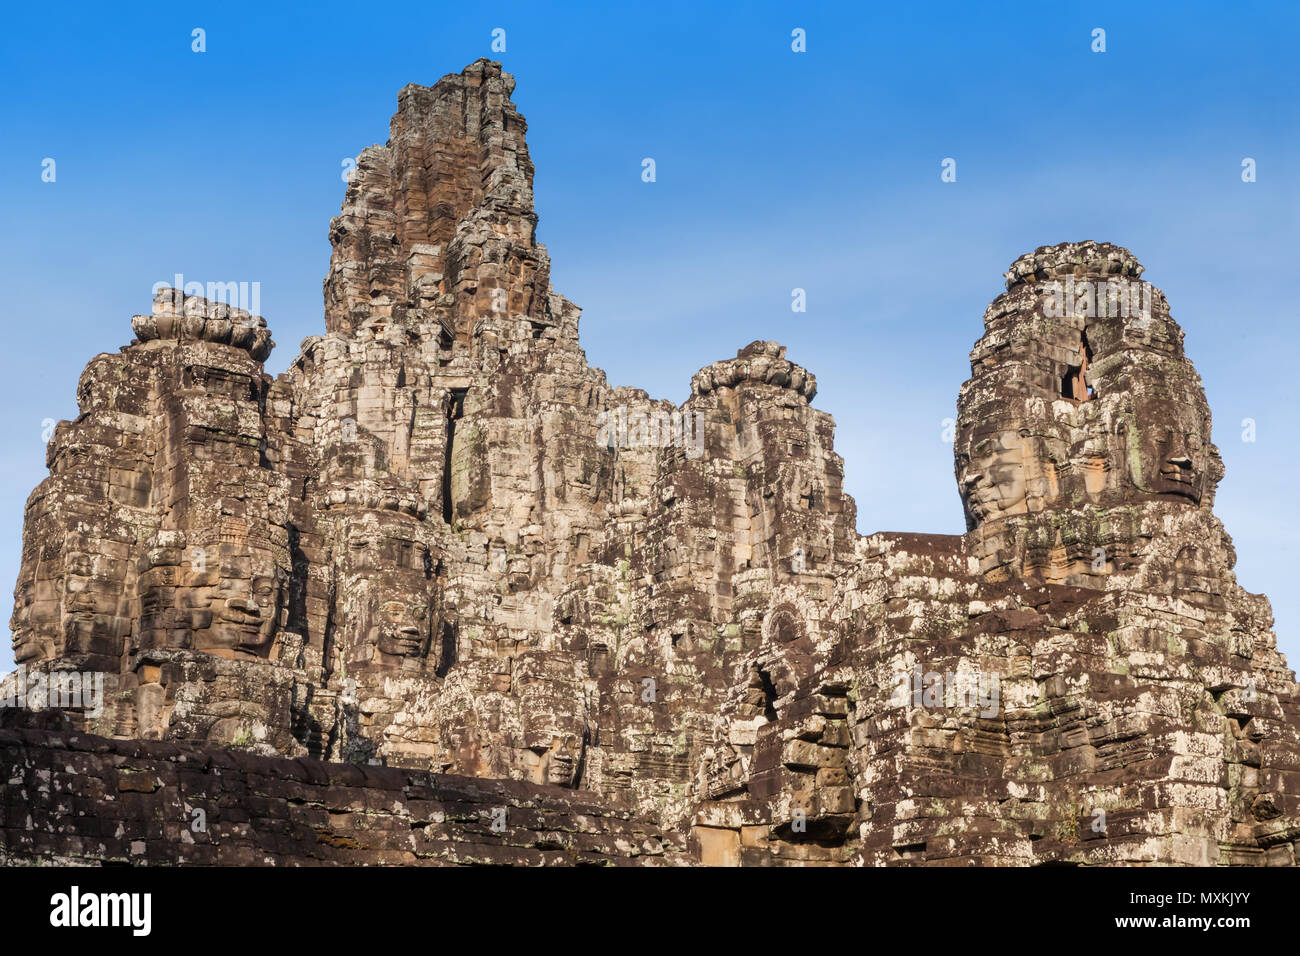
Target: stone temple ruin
{"x":440,"y":593}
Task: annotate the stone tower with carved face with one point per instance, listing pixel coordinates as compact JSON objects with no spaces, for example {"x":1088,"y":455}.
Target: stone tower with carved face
{"x":1083,"y":434}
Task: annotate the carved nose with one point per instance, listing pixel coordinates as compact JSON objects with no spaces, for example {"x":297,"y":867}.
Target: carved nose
{"x":1179,"y":462}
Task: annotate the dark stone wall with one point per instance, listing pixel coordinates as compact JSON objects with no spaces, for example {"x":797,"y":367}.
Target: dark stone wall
{"x":70,"y":798}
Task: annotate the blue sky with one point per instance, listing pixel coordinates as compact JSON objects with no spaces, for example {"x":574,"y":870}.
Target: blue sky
{"x":775,"y":170}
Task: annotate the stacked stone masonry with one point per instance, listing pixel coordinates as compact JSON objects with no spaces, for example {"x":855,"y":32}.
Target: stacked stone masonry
{"x":78,"y":799}
{"x":442,"y":542}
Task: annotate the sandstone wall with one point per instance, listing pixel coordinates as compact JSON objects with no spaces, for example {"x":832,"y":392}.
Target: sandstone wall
{"x":80,"y":799}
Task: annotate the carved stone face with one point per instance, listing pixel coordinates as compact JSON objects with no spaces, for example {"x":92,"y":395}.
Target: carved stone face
{"x":393,"y":616}
{"x":246,"y":614}
{"x":73,"y":458}
{"x":90,"y":598}
{"x":996,"y":472}
{"x":228,"y":605}
{"x":67,"y":604}
{"x":35,"y":620}
{"x":1023,"y":446}
{"x":1168,"y":452}
{"x":81,"y":602}
{"x":404,"y":629}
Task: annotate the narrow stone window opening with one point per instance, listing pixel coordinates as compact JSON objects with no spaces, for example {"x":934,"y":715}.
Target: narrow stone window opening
{"x":446,"y":651}
{"x":1074,"y":384}
{"x":445,"y":342}
{"x":769,"y":695}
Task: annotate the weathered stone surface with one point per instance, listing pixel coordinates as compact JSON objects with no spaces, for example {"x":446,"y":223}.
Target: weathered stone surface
{"x":442,"y":542}
{"x":78,"y":799}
